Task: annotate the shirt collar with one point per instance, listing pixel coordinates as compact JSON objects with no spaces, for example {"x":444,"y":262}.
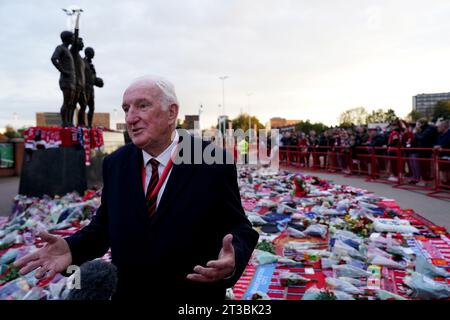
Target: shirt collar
{"x":164,"y":157}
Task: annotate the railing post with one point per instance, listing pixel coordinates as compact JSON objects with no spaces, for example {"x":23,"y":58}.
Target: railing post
{"x":373,"y":161}
{"x":400,"y":168}
{"x":350,"y":160}
{"x":437,"y":176}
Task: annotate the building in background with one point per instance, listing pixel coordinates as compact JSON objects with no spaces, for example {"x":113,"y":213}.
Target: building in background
{"x":113,"y":140}
{"x":191,"y":122}
{"x":102,"y":119}
{"x":48,"y":119}
{"x":121,"y":127}
{"x":277,"y":123}
{"x":425,"y":103}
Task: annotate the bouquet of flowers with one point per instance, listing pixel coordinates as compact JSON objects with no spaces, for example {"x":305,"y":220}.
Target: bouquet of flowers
{"x":300,"y":187}
{"x":292,"y":279}
{"x":360,"y":226}
{"x":316,"y":181}
{"x":266,"y":246}
{"x":11,"y":273}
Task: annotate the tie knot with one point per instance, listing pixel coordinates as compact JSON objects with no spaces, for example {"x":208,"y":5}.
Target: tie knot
{"x":154,"y":163}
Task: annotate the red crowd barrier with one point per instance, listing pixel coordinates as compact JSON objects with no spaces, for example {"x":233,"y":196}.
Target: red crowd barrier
{"x":407,"y":168}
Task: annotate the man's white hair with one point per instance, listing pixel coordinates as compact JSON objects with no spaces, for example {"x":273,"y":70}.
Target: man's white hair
{"x":168,"y":96}
{"x":443,"y":123}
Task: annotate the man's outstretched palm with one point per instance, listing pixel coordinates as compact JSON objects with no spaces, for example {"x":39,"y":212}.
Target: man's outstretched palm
{"x":54,"y":258}
{"x":219,"y":269}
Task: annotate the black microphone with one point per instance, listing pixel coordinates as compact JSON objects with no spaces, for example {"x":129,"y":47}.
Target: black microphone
{"x":98,"y":281}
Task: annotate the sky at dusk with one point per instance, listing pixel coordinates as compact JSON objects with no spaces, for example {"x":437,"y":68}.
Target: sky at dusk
{"x":294,"y":59}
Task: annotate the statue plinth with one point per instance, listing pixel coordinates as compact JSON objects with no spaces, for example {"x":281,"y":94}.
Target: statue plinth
{"x":58,"y":171}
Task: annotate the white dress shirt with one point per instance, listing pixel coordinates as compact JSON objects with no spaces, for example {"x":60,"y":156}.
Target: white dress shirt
{"x":163,"y":160}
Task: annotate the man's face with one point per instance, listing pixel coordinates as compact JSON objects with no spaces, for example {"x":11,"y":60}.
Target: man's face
{"x":147,"y":123}
{"x":441,"y":127}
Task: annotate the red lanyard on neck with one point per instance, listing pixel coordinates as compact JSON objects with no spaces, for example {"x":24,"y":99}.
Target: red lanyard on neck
{"x":163,"y":177}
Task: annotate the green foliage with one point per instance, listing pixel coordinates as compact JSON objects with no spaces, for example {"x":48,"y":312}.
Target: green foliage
{"x":442,"y":110}
{"x":10,"y":274}
{"x":307,"y":126}
{"x":326,"y":295}
{"x":266,"y":246}
{"x":11,"y":133}
{"x":381,"y":116}
{"x":355,"y":116}
{"x":5,"y":246}
{"x":414,"y":115}
{"x":241,"y":122}
{"x":347,"y":125}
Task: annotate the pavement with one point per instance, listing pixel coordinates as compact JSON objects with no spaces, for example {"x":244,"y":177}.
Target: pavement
{"x":433,"y":209}
{"x":9,"y":187}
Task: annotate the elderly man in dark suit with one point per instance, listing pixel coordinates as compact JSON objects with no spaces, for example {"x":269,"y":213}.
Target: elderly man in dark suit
{"x":176,"y":229}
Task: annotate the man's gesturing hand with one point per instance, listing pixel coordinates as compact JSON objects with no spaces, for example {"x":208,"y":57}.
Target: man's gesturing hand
{"x":217,"y":269}
{"x":54,"y":258}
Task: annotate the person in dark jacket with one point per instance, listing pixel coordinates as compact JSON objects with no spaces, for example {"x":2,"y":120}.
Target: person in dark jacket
{"x":322,"y":149}
{"x":443,"y":146}
{"x":425,"y":136}
{"x":359,"y":150}
{"x":176,"y":229}
{"x":376,"y":141}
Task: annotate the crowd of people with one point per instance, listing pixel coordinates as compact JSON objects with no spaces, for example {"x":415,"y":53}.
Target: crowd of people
{"x":351,"y":149}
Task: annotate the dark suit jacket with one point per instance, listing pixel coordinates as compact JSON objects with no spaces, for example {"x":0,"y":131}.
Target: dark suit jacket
{"x":199,"y":206}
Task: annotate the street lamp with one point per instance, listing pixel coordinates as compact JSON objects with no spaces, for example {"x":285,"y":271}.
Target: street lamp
{"x":200,"y":111}
{"x":115,"y":116}
{"x":223,"y":78}
{"x":219,"y":118}
{"x":249,"y":117}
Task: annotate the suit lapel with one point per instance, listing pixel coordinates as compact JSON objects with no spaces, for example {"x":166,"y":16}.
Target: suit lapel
{"x":135,"y":188}
{"x":179,"y":178}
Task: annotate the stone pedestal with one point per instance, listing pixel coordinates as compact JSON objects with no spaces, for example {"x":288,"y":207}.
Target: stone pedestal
{"x":53,"y":172}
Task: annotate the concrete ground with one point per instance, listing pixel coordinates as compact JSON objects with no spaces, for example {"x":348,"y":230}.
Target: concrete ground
{"x":435,"y":210}
{"x":9,"y":187}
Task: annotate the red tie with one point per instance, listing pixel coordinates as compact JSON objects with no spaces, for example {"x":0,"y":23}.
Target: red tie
{"x":151,"y":201}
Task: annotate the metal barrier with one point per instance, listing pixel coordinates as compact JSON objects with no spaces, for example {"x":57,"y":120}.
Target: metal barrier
{"x":442,"y":172}
{"x":425,"y":169}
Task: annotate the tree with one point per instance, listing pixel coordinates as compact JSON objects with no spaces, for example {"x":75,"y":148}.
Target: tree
{"x":180,"y":124}
{"x":11,"y":133}
{"x":241,"y":122}
{"x":442,"y":110}
{"x":414,"y":115}
{"x":307,"y":126}
{"x":381,"y":116}
{"x":21,"y":131}
{"x":390,"y":116}
{"x":356,"y":116}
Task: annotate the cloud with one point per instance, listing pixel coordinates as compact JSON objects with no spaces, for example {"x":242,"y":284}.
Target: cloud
{"x":301,"y":59}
